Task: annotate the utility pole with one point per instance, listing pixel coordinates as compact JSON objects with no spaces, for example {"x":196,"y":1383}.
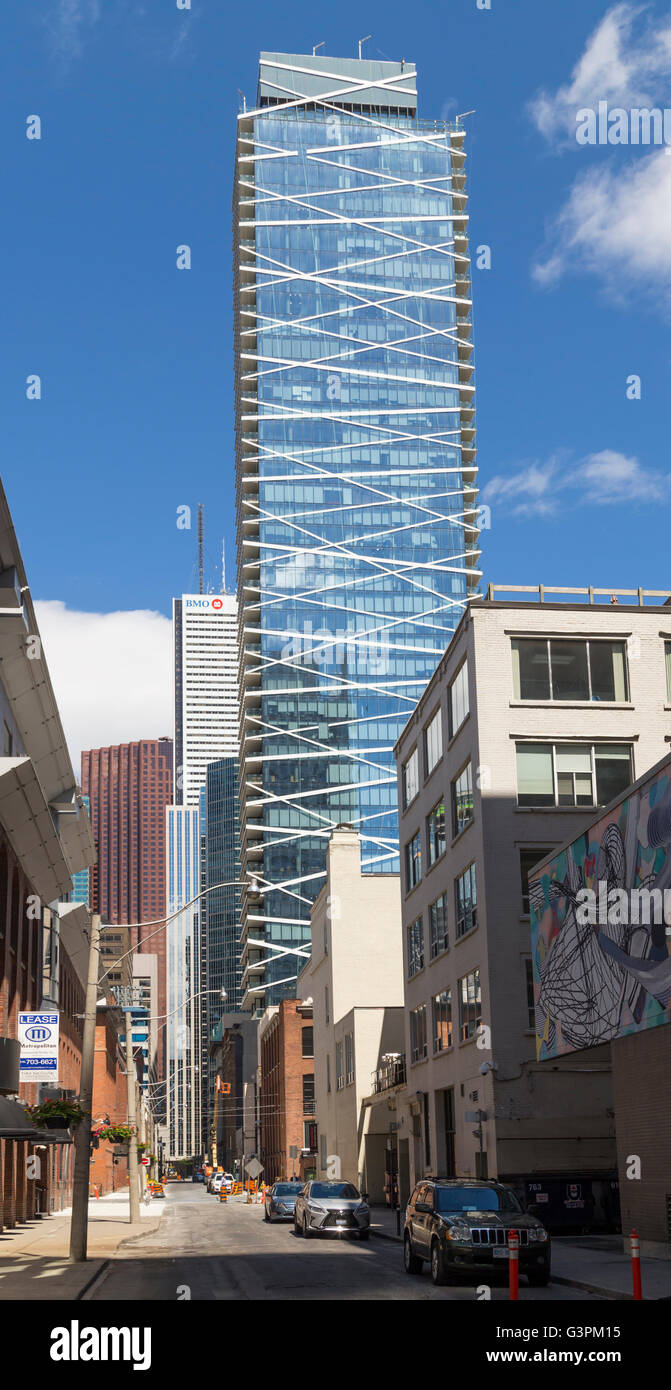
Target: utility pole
{"x":82,"y":1173}
{"x":132,"y":1121}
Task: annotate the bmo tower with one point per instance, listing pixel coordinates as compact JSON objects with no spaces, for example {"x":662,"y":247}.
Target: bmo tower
{"x":205,"y":630}
{"x":206,"y":730}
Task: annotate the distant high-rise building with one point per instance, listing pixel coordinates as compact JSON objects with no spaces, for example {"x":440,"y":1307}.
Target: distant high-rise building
{"x":129,"y":786}
{"x":206,"y":729}
{"x":81,"y":882}
{"x":183,"y":1021}
{"x":356,"y":476}
{"x":205,"y":630}
{"x":220,"y":936}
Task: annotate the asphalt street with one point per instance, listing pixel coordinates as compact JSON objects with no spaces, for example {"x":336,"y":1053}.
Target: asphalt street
{"x":207,"y":1250}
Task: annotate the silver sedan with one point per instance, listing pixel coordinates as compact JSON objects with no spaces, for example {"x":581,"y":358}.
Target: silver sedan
{"x":281,"y":1200}
{"x":331,"y":1208}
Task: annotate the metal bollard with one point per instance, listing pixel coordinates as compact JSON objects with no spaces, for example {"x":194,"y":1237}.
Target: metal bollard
{"x":513,"y":1264}
{"x":636,"y":1266}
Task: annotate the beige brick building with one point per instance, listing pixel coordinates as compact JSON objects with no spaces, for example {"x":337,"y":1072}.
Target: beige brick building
{"x":538,"y":712}
{"x":355,"y":981}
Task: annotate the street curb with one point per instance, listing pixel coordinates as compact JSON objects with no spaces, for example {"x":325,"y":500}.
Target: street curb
{"x":554,"y":1278}
{"x":591,"y":1288}
{"x":101,"y":1271}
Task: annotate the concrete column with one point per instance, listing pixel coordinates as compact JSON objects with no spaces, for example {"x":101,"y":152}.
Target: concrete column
{"x":21,"y":1184}
{"x":8,"y":1204}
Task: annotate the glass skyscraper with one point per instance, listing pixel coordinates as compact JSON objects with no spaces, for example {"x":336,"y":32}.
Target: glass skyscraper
{"x":356,"y":476}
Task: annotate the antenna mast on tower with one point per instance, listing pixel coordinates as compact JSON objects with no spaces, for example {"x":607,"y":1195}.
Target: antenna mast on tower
{"x":200,"y":547}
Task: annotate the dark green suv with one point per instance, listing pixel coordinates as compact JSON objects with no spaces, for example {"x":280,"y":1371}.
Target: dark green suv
{"x":461,"y":1226}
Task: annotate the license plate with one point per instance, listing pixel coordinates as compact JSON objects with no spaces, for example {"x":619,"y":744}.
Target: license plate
{"x":501,"y":1252}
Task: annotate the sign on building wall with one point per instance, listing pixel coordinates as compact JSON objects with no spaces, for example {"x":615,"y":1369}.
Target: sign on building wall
{"x":38,"y":1036}
{"x":599,"y":937}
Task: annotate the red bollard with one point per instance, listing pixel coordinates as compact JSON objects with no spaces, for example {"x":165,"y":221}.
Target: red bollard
{"x":636,"y":1266}
{"x":513,"y":1264}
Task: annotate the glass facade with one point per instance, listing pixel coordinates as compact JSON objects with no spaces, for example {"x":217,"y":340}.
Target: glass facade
{"x":356,"y":474}
{"x":223,"y":905}
{"x":183,"y":975}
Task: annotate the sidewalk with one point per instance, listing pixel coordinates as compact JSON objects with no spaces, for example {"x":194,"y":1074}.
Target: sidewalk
{"x":33,"y":1255}
{"x":596,"y":1264}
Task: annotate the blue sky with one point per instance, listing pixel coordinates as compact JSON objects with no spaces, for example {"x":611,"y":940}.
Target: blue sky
{"x":138,"y":101}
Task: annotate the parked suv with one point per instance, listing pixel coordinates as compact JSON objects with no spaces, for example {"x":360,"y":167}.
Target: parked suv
{"x":462,"y":1226}
{"x":331,"y":1208}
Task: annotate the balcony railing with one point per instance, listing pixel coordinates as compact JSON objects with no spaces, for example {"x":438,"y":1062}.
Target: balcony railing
{"x":390,"y":1073}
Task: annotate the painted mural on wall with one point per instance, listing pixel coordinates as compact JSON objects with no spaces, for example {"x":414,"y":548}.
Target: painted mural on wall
{"x":599,"y":914}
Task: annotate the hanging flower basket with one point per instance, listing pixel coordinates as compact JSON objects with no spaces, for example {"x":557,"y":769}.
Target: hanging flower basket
{"x":117,"y":1134}
{"x":56,"y":1114}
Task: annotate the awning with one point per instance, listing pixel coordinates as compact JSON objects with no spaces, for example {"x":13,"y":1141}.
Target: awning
{"x":74,"y":828}
{"x":16,"y":1124}
{"x":29,"y":825}
{"x":74,"y":923}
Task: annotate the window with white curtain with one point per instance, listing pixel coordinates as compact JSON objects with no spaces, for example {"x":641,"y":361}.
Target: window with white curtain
{"x":458,"y":699}
{"x":433,"y":741}
{"x":572,"y":774}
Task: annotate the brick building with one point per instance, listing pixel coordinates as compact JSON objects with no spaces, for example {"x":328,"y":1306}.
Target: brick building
{"x":45,"y":838}
{"x":286,"y":1051}
{"x":109,"y":1104}
{"x":546,"y":705}
{"x":234,"y":1135}
{"x":129,"y":786}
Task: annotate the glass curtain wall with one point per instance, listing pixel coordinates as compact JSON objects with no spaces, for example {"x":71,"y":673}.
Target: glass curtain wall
{"x":356,"y":477}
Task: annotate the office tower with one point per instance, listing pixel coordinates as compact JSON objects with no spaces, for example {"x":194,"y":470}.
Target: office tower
{"x":81,"y":882}
{"x":183,"y":962}
{"x":220,"y":965}
{"x":356,"y":476}
{"x":129,"y":786}
{"x":205,"y":630}
{"x":206,"y":729}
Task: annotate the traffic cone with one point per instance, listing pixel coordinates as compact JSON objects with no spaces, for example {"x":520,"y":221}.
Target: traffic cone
{"x":222,"y":1195}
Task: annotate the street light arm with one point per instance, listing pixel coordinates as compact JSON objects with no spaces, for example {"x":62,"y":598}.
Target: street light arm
{"x":163,"y":921}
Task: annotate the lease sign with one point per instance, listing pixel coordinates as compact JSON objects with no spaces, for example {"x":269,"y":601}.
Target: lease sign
{"x":38,"y":1036}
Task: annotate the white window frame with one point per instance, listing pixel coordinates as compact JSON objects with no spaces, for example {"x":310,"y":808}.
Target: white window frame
{"x":587,"y":642}
{"x":579,"y":744}
{"x":435,"y":723}
{"x":409,"y":795}
{"x":461,"y":677}
{"x":340,"y":1065}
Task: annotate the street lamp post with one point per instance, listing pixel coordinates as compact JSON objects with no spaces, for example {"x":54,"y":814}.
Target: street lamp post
{"x":82,"y":1173}
{"x":132,"y":1121}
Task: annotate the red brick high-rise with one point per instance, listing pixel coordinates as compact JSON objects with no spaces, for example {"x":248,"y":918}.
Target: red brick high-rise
{"x":129,"y":786}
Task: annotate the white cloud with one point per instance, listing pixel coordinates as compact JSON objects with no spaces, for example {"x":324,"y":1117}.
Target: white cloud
{"x":541,"y":489}
{"x":616,"y":224}
{"x":531,"y":490}
{"x":111,"y":673}
{"x":620,"y":66}
{"x":68,"y":22}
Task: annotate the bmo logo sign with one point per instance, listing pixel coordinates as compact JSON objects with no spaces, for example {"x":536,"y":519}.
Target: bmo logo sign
{"x":207,"y":605}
